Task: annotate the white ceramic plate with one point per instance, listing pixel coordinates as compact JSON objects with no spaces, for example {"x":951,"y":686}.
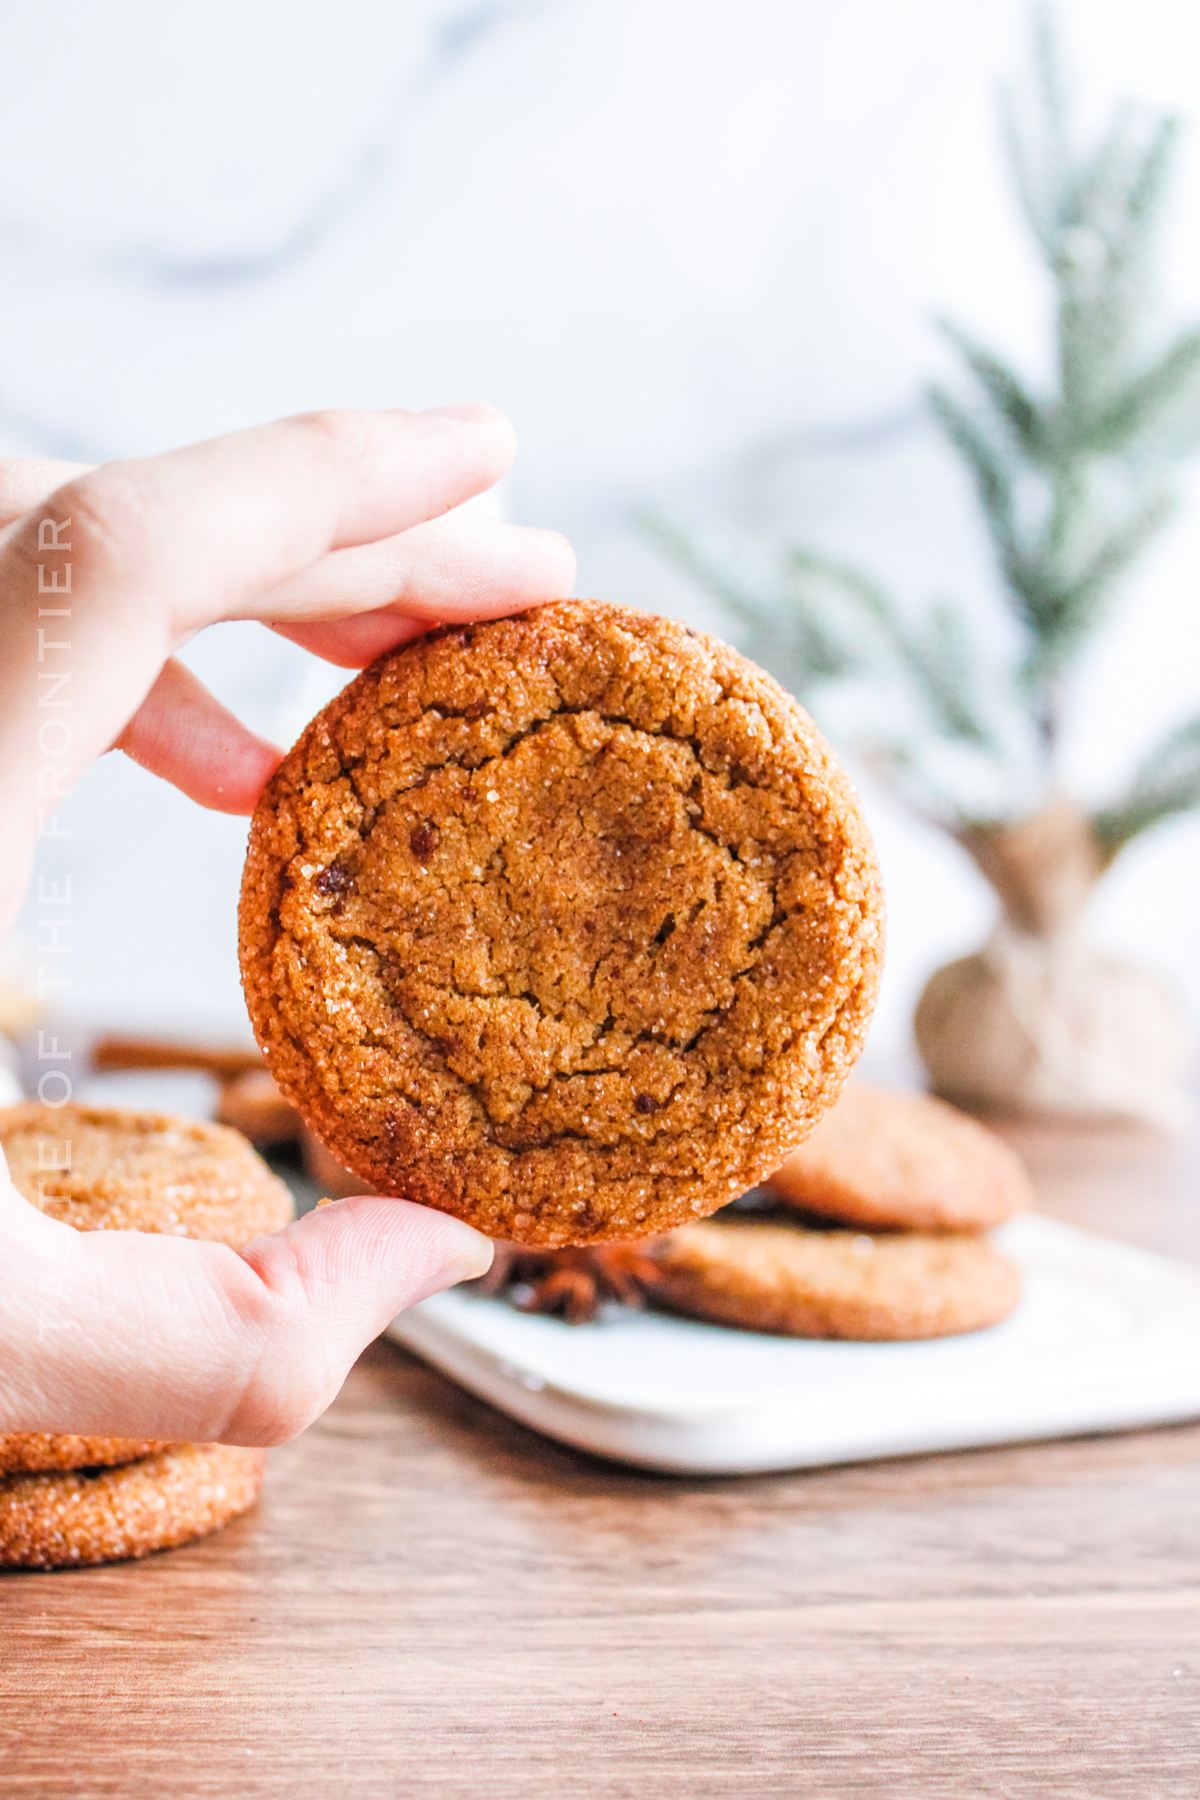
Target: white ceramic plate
{"x":1105,"y":1337}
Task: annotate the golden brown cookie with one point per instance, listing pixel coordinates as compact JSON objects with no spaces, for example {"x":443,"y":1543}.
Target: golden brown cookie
{"x":253,"y":1105}
{"x":142,"y":1172}
{"x":23,"y":1452}
{"x":784,"y":1278}
{"x":50,"y":1521}
{"x":905,"y":1162}
{"x":329,"y":1173}
{"x":130,"y":1171}
{"x":568,"y":924}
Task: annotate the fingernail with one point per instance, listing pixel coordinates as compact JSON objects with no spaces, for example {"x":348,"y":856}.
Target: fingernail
{"x":475,"y":412}
{"x":545,"y":534}
{"x":475,"y":1259}
{"x":469,"y":1267}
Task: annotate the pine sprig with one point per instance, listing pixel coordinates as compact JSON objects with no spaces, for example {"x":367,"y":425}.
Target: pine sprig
{"x":1014,"y":405}
{"x":804,"y":638}
{"x":1166,"y":784}
{"x":1073,"y":482}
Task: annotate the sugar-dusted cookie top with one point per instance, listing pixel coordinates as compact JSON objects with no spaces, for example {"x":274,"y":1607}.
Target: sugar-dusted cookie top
{"x":568,"y":924}
{"x":130,"y":1171}
{"x":903,"y":1162}
{"x":766,"y":1276}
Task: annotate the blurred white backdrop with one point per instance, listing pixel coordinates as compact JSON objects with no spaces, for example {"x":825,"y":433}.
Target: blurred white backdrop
{"x":693,"y":248}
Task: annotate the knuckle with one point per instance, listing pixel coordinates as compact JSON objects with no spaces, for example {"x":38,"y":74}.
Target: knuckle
{"x":109,"y":512}
{"x":289,"y":1415}
{"x":335,"y":428}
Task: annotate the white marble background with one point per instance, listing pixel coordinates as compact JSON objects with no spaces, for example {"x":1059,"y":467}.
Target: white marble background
{"x":692,"y":246}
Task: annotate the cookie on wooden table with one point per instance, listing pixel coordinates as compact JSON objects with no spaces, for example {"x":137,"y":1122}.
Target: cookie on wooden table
{"x":568,"y":924}
{"x":904,"y":1162}
{"x":785,"y":1278}
{"x":64,"y":1520}
{"x":24,"y":1452}
{"x":65,"y":1498}
{"x":132,"y":1171}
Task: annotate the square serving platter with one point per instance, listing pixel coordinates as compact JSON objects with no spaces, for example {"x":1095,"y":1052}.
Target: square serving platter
{"x":1106,"y":1337}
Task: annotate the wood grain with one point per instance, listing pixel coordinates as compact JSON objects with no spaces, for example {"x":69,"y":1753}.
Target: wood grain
{"x":431,"y":1600}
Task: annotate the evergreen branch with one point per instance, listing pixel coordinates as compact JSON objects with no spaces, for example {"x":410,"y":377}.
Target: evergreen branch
{"x":1099,"y":192}
{"x":869,"y":631}
{"x":943,"y":666}
{"x":869,"y":595}
{"x":993,"y":480}
{"x":1030,"y":572}
{"x":685,"y":550}
{"x":1040,"y":170}
{"x":1101,"y":262}
{"x":815,"y":653}
{"x":1071,"y":520}
{"x":937,"y":658}
{"x":1039,"y":216}
{"x":873,"y":637}
{"x":1065,"y":613}
{"x":1167,"y":784}
{"x":1016,"y":407}
{"x":1051,"y":82}
{"x":1043,"y":607}
{"x":1143,"y":402}
{"x":1072,"y":484}
{"x":1146,"y":191}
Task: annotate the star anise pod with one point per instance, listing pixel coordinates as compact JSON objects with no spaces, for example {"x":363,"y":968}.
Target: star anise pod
{"x":575,"y":1282}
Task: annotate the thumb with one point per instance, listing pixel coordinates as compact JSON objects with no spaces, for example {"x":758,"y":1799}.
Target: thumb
{"x":340,"y":1274}
{"x":130,"y":1334}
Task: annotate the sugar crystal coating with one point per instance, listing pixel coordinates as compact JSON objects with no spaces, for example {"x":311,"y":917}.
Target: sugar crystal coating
{"x":568,"y":924}
{"x":64,"y":1520}
{"x":835,"y":1284}
{"x":132,"y":1171}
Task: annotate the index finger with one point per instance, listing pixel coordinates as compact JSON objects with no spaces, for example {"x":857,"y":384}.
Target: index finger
{"x":144,"y":553}
{"x":202,"y":532}
{"x":151,"y":550}
{"x":26,"y":481}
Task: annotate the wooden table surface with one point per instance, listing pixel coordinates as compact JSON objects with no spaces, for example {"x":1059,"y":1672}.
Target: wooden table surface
{"x":431,"y":1600}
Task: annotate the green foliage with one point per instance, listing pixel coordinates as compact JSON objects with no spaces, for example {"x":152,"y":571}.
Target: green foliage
{"x":1073,"y":483}
{"x":1167,"y":783}
{"x":919,"y":697}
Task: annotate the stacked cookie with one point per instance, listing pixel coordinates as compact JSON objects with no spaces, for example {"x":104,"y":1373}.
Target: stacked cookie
{"x":67,"y":1501}
{"x":873,"y":1230}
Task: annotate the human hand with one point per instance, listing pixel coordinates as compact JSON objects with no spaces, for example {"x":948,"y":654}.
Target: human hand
{"x":339,"y":531}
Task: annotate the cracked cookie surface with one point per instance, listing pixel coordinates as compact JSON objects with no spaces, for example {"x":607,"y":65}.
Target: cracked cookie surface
{"x":567,"y":924}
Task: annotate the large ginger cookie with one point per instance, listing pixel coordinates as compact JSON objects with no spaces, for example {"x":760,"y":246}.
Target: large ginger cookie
{"x":133,"y":1171}
{"x":567,"y":924}
{"x":904,"y":1162}
{"x":50,"y":1521}
{"x":834,"y":1284}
